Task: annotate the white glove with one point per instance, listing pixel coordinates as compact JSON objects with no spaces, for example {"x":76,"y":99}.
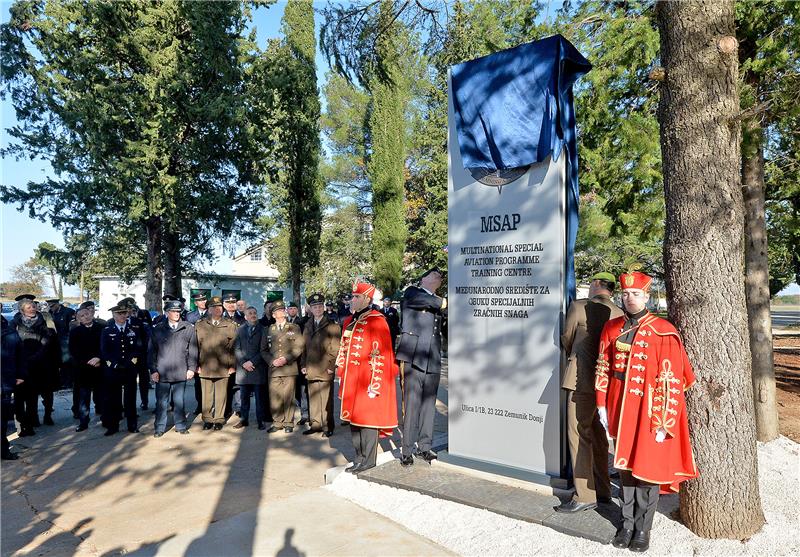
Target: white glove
{"x":661,"y":434}
{"x":603,"y":415}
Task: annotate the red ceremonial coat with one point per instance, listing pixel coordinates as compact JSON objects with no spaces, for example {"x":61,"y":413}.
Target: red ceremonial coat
{"x":642,"y":388}
{"x":367,"y":373}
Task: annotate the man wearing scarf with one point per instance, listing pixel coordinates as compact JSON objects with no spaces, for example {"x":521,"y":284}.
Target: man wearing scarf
{"x":367,"y":372}
{"x":641,"y":376}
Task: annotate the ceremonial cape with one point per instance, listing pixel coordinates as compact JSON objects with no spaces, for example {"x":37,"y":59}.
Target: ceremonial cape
{"x":367,"y":373}
{"x":642,"y":387}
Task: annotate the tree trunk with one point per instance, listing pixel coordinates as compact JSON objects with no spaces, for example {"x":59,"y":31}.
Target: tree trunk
{"x":154,"y":277}
{"x":757,"y":282}
{"x":81,"y":287}
{"x":703,"y":261}
{"x":172,"y":264}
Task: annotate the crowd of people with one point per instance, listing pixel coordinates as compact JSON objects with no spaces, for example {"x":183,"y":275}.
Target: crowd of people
{"x":225,"y":355}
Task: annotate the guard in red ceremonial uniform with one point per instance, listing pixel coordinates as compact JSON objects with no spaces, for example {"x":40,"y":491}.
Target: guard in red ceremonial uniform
{"x":367,"y":372}
{"x":642,"y":374}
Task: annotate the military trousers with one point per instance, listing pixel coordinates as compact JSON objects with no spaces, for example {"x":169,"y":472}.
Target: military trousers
{"x":365,"y":442}
{"x":639,"y":502}
{"x":215,"y":397}
{"x":281,"y":400}
{"x":119,"y":387}
{"x":588,"y":447}
{"x":420,"y":390}
{"x":320,"y":405}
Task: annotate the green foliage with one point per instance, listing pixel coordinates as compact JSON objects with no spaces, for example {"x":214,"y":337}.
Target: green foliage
{"x":285,"y":113}
{"x":138,"y":109}
{"x":344,"y":251}
{"x":769,"y":62}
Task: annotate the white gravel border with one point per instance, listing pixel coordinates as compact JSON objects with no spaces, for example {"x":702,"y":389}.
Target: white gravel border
{"x":474,"y":532}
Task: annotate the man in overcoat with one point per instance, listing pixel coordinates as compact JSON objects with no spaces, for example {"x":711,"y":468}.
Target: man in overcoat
{"x":217,"y":362}
{"x":251,"y":370}
{"x":172,"y":359}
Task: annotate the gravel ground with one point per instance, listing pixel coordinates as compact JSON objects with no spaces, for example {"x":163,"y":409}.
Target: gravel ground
{"x":469,"y":531}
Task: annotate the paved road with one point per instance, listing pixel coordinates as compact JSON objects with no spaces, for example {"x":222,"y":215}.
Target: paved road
{"x":782,"y":318}
{"x":232,"y":493}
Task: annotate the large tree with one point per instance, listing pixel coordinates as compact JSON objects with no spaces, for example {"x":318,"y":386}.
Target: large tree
{"x":704,"y":260}
{"x":135,"y":107}
{"x":769,"y":57}
{"x":291,"y":140}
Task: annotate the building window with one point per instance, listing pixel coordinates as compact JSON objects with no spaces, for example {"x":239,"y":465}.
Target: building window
{"x":256,"y":255}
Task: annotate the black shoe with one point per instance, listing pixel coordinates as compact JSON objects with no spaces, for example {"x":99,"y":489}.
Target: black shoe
{"x":110,"y":432}
{"x":262,"y":426}
{"x":48,"y":420}
{"x":640,"y":542}
{"x":353,"y":468}
{"x":217,"y":427}
{"x":158,"y":434}
{"x":312,"y":431}
{"x":605,"y":501}
{"x":327,"y":434}
{"x":363,"y":468}
{"x":183,"y":431}
{"x":207,"y":426}
{"x":238,"y":414}
{"x":27,"y":432}
{"x":407,"y":460}
{"x":9,"y":456}
{"x":428,"y":456}
{"x":273,"y":429}
{"x":303,"y":421}
{"x":573,"y":506}
{"x":288,"y":429}
{"x":81,"y":428}
{"x":622,"y":539}
{"x":240,"y":425}
{"x":133,"y":430}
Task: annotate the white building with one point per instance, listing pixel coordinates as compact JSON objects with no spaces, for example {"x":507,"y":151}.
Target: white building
{"x":252,"y":279}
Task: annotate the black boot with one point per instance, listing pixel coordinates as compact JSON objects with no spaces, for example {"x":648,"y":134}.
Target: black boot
{"x":623,"y":538}
{"x":640,"y":541}
{"x":48,"y":418}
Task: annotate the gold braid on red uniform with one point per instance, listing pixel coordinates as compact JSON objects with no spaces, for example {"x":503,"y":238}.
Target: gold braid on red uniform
{"x":665,"y":412}
{"x":601,"y":370}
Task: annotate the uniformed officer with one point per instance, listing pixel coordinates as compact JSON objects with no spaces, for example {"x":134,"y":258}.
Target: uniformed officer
{"x":300,"y":384}
{"x":62,"y":316}
{"x":136,"y":323}
{"x":588,"y":444}
{"x":392,"y":317}
{"x":318,"y":365}
{"x":344,"y":310}
{"x":419,"y":351}
{"x":122,"y":350}
{"x":200,"y":303}
{"x":229,"y":305}
{"x":281,"y":347}
{"x":331,"y":314}
{"x":217,"y":362}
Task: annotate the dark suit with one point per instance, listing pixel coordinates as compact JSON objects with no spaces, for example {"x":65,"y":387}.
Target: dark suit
{"x":84,"y":345}
{"x":122,"y":352}
{"x":393,"y":319}
{"x":419,"y":349}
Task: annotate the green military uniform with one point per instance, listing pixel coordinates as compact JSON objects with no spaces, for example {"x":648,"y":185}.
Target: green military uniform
{"x":321,"y":348}
{"x":588,"y":444}
{"x":285,"y":341}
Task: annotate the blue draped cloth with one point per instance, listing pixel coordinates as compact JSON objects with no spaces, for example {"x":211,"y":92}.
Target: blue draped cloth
{"x":515,"y":108}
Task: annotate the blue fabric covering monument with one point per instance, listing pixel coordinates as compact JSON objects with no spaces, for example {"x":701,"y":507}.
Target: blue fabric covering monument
{"x":515,"y":108}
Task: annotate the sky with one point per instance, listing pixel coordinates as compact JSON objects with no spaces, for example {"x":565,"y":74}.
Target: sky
{"x":21,"y":233}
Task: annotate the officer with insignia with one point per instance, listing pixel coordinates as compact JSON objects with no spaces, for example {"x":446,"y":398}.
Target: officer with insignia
{"x":318,"y":364}
{"x":217,"y":362}
{"x":344,"y":310}
{"x":300,"y":385}
{"x":588,"y":445}
{"x":200,"y":301}
{"x":136,"y":322}
{"x":229,"y":304}
{"x":123,"y":351}
{"x":419,"y":351}
{"x":330,"y":313}
{"x":281,"y":347}
{"x":200,"y":311}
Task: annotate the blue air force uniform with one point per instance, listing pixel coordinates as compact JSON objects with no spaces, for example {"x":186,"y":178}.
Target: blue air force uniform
{"x":123,"y":351}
